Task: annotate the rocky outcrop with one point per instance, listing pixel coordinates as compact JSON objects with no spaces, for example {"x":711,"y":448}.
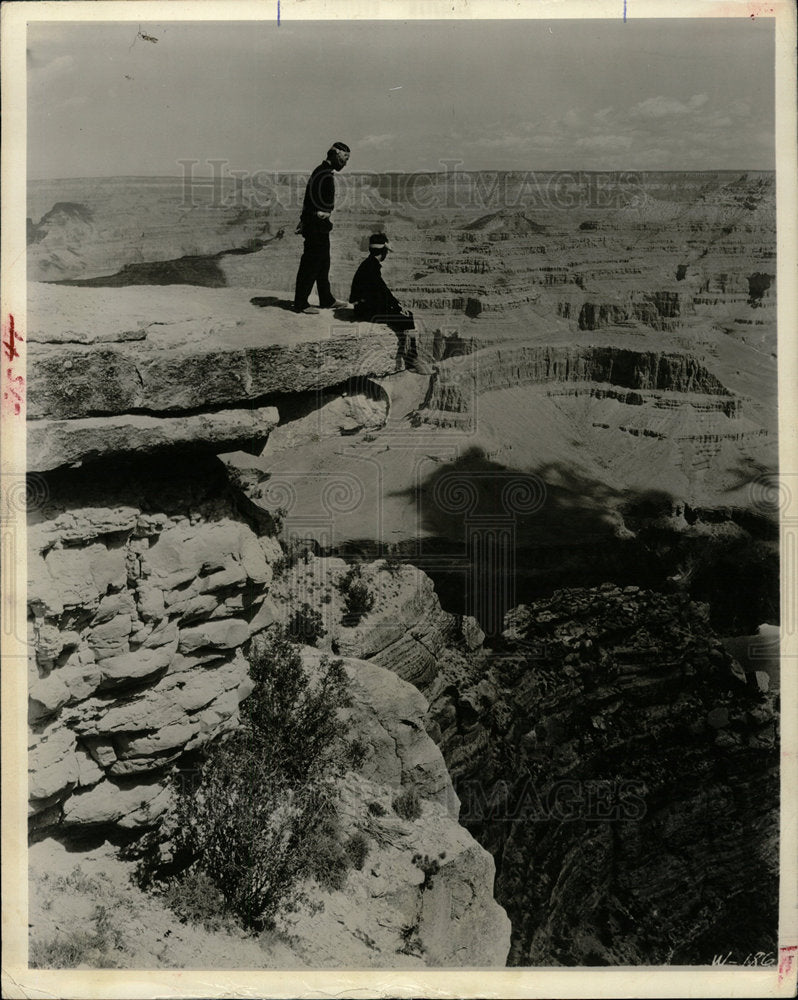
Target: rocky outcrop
{"x":660,"y":310}
{"x":608,"y":748}
{"x":406,"y":631}
{"x":424,"y":893}
{"x":192,"y":369}
{"x":651,"y":381}
{"x":632,"y":764}
{"x":140,"y":595}
{"x":421,"y":895}
{"x":502,"y":367}
{"x":54,"y":443}
{"x":331,"y":415}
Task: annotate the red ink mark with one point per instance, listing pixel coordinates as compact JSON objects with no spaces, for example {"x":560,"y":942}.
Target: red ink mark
{"x":16,"y":396}
{"x":786,"y":961}
{"x":10,"y":344}
{"x":14,"y":388}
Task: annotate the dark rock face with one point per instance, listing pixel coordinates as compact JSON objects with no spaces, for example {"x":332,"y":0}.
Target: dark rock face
{"x":623,"y":770}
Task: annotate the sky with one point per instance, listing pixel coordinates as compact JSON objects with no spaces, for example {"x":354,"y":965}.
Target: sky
{"x":405,"y":95}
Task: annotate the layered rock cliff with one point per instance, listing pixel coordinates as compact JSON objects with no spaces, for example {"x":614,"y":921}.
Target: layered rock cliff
{"x":107,"y":378}
{"x":623,"y":770}
{"x":142,"y":590}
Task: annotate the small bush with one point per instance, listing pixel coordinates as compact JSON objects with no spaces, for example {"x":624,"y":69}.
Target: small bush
{"x":357,"y":847}
{"x":429,"y":866}
{"x":358,"y":599}
{"x":377,"y":809}
{"x":411,"y":942}
{"x":194,"y":899}
{"x":407,"y":804}
{"x":358,"y":751}
{"x":328,"y":862}
{"x":305,"y":625}
{"x":278,"y":517}
{"x":294,"y":549}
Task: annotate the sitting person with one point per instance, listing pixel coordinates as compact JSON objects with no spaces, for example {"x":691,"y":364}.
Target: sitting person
{"x":374,"y":302}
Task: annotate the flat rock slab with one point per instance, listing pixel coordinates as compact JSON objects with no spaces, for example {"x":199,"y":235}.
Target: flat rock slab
{"x":202,"y":348}
{"x":54,"y":443}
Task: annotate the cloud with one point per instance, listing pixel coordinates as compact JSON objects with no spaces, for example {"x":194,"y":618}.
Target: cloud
{"x":601,"y":143}
{"x":573,"y":118}
{"x":376,"y":141}
{"x":697,"y":101}
{"x":503,"y":142}
{"x":78,"y":101}
{"x":42,"y":72}
{"x":668,"y":107}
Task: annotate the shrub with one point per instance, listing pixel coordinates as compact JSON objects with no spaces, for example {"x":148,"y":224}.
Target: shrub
{"x":305,"y":625}
{"x":377,"y":809}
{"x":294,"y":549}
{"x":357,"y":751}
{"x":357,"y":847}
{"x":194,"y":898}
{"x":244,"y":827}
{"x":294,"y":721}
{"x":407,"y":804}
{"x":429,"y":866}
{"x":411,"y":942}
{"x":327,"y":860}
{"x":262,"y":815}
{"x":358,"y":599}
{"x":278,"y":517}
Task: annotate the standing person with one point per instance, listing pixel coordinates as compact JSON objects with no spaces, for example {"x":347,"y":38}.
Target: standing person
{"x":374,"y":302}
{"x":315,"y":226}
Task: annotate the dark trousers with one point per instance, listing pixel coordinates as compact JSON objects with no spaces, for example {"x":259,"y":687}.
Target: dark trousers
{"x":401,"y":325}
{"x":314,"y":268}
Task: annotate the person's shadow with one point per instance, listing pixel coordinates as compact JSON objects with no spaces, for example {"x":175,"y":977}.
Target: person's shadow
{"x":272,"y":300}
{"x":344,"y":314}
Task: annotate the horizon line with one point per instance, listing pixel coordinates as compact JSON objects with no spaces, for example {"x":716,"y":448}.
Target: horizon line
{"x":500,"y":170}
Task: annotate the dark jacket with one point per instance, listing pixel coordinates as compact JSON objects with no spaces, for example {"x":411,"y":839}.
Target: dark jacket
{"x":370,"y":295}
{"x":319,"y":197}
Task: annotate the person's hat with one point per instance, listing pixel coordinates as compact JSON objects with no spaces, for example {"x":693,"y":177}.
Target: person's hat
{"x":379,"y":241}
{"x":342,"y":146}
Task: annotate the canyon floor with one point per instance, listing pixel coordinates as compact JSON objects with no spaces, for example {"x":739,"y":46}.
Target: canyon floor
{"x":598,"y":431}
